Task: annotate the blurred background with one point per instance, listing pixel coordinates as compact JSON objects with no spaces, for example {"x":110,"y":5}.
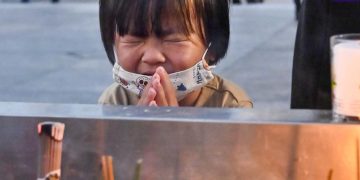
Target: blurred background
{"x":51,"y":51}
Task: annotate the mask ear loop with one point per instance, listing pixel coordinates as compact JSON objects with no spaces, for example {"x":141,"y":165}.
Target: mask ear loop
{"x":115,"y":54}
{"x":203,"y":58}
{"x":114,"y":47}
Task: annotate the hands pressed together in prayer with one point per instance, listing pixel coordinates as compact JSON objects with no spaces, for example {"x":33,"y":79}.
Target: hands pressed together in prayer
{"x":159,"y":91}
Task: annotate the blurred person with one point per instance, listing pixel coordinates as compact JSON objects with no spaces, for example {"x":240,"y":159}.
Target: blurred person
{"x":318,"y":21}
{"x":297,"y":8}
{"x":163,"y":52}
{"x":237,"y":1}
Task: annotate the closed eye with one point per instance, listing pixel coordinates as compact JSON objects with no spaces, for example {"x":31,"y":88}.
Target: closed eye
{"x":174,"y":38}
{"x":131,"y":42}
{"x":129,"y":39}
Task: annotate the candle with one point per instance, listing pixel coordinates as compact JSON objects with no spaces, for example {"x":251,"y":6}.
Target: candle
{"x":346,"y":78}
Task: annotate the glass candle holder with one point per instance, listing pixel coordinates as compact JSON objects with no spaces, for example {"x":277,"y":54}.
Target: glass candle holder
{"x":345,"y":77}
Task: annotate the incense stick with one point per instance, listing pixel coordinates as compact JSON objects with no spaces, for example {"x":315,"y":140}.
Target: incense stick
{"x":107,"y":167}
{"x":137,"y":169}
{"x":51,"y":136}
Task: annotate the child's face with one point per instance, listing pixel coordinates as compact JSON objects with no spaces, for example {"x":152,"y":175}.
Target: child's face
{"x":174,"y":51}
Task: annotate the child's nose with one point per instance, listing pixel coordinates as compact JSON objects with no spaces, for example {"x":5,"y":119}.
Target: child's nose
{"x":153,"y":53}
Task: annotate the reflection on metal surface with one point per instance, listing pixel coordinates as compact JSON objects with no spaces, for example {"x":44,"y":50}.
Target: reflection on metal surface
{"x":51,"y":135}
{"x":235,"y":145}
{"x":184,"y":114}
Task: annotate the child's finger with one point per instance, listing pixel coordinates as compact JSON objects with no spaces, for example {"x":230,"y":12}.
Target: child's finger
{"x":147,"y":96}
{"x":169,"y":89}
{"x":160,"y":93}
{"x":153,"y":103}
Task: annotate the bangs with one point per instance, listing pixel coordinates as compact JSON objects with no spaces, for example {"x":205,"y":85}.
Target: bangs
{"x":209,"y":19}
{"x":144,"y":17}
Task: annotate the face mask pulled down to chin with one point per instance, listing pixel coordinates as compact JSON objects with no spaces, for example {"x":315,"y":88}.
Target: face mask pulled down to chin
{"x":184,"y":82}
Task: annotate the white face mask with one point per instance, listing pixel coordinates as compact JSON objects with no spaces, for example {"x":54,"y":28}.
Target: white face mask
{"x":184,"y":82}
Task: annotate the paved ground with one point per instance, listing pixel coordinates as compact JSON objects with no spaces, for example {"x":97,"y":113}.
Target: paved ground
{"x":53,"y":52}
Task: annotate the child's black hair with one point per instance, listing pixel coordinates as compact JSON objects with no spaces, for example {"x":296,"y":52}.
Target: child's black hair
{"x":142,"y":17}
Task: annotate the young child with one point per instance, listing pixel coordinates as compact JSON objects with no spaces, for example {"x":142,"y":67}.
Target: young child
{"x":163,"y":52}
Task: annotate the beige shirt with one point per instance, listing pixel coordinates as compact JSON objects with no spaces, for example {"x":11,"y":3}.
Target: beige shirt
{"x":217,"y":93}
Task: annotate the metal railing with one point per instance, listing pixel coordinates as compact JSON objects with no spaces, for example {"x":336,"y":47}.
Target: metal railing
{"x":177,"y":143}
